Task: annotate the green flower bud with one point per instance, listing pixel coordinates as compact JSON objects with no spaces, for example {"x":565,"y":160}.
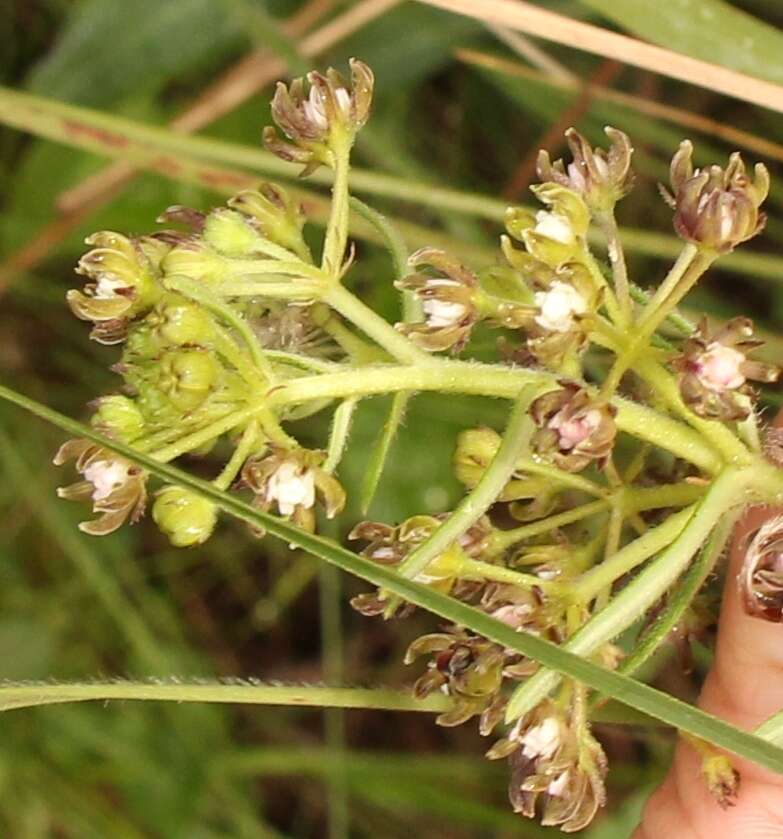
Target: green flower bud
{"x":229,"y":233}
{"x":186,"y":518}
{"x":118,"y":417}
{"x":187,"y":377}
{"x":196,"y":260}
{"x":176,"y":320}
{"x":275,"y":214}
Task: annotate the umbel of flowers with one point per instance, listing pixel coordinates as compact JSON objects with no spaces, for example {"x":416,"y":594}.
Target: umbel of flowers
{"x":634,"y":437}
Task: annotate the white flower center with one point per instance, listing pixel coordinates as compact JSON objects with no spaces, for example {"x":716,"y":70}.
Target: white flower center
{"x":315,"y":110}
{"x":291,"y":487}
{"x":575,"y":430}
{"x":558,"y":306}
{"x":441,"y":314}
{"x":542,"y":740}
{"x":105,"y":476}
{"x":554,"y":226}
{"x":720,"y":368}
{"x":106,"y":287}
{"x":558,"y":786}
{"x":726,"y":218}
{"x":513,"y":615}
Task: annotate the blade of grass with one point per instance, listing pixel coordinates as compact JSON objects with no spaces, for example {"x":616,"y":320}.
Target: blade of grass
{"x":525,"y":17}
{"x":32,"y":694}
{"x":643,"y":698}
{"x":705,"y":29}
{"x":723,"y":131}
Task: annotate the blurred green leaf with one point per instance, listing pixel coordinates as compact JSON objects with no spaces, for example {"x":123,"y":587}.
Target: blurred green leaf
{"x":712,"y":30}
{"x":109,"y":50}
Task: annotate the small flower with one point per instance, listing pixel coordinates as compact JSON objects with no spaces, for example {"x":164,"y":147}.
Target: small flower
{"x":115,"y":486}
{"x":390,"y":545}
{"x":185,"y":517}
{"x":292,"y":481}
{"x":312,"y":118}
{"x":761,"y":577}
{"x":554,"y":236}
{"x":467,"y":668}
{"x":715,"y":208}
{"x":601,"y":178}
{"x":123,"y":276}
{"x":574,"y":430}
{"x":714,"y":370}
{"x":555,"y":767}
{"x":448,"y":300}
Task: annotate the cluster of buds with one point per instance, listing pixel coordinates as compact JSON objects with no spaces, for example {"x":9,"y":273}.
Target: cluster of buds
{"x":472,"y":670}
{"x":716,"y":209}
{"x":318,"y":113}
{"x":556,"y":765}
{"x":183,"y":365}
{"x":714,"y":370}
{"x":574,"y":428}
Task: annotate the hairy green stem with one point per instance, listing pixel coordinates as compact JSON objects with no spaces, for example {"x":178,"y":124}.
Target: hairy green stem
{"x":30,"y":694}
{"x":484,"y":494}
{"x":373,"y":325}
{"x":503,"y":539}
{"x":338,"y":436}
{"x":697,"y":574}
{"x":726,"y":493}
{"x":239,"y":456}
{"x":490,"y":380}
{"x":501,"y":574}
{"x":608,"y":224}
{"x":337,"y":226}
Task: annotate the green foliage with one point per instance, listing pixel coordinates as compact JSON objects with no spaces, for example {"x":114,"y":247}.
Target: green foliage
{"x":132,"y":606}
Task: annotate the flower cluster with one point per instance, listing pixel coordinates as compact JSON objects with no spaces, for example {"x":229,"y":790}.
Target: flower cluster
{"x":230,"y":327}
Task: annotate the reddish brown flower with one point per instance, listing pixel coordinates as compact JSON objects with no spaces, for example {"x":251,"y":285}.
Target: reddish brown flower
{"x":602,"y":178}
{"x":716,"y":208}
{"x":574,"y":429}
{"x":761,"y":577}
{"x":714,"y":370}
